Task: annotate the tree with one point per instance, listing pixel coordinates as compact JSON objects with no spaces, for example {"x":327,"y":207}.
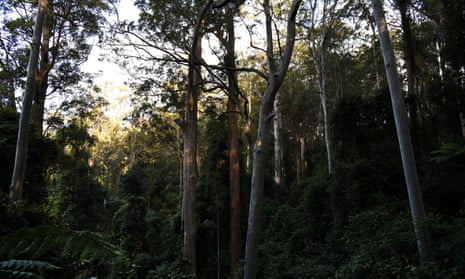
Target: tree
{"x":16,"y":187}
{"x":276,"y":75}
{"x":61,"y":48}
{"x":233,"y":141}
{"x":323,"y":26}
{"x":65,"y":45}
{"x":403,"y":134}
{"x":69,"y":29}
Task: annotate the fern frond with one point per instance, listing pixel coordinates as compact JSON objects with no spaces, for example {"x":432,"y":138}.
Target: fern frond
{"x":448,"y":151}
{"x":23,"y":268}
{"x":43,"y":241}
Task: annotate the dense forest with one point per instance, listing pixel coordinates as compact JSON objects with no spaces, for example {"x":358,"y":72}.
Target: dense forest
{"x":244,"y":139}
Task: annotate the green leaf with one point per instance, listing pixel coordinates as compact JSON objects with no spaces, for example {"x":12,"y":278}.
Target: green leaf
{"x":24,"y":268}
{"x":447,"y":152}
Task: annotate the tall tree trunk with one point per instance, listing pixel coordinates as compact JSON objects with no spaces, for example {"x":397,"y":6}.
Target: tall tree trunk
{"x":16,"y":187}
{"x":407,"y":45}
{"x":234,"y":190}
{"x":38,"y":108}
{"x":403,"y":135}
{"x":247,"y":127}
{"x":189,"y":216}
{"x":189,"y":169}
{"x":277,"y":141}
{"x":319,"y":60}
{"x":324,"y":107}
{"x":260,"y":150}
{"x":375,"y":54}
{"x":234,"y":150}
{"x":409,"y":63}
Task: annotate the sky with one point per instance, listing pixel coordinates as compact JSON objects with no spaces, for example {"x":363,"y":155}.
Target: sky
{"x":110,"y":77}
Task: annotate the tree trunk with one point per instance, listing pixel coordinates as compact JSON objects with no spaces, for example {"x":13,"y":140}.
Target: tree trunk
{"x":409,"y":63}
{"x":318,"y":55}
{"x":234,"y":190}
{"x":403,"y":135}
{"x":260,"y":150}
{"x":408,"y":46}
{"x":318,"y":58}
{"x":190,"y":165}
{"x":16,"y":187}
{"x":324,"y":107}
{"x":277,"y":142}
{"x":38,"y":108}
{"x":189,"y":169}
{"x":234,"y":150}
{"x":375,"y":55}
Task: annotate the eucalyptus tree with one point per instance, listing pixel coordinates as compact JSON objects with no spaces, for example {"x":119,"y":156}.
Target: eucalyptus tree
{"x":16,"y":187}
{"x":70,"y":28}
{"x":277,"y":70}
{"x":226,"y":75}
{"x":403,"y":134}
{"x":170,"y":33}
{"x":228,"y":39}
{"x":324,"y":29}
{"x":61,"y":45}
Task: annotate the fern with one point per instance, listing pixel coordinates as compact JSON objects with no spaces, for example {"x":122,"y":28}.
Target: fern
{"x":447,"y":152}
{"x":23,"y":268}
{"x":80,"y":247}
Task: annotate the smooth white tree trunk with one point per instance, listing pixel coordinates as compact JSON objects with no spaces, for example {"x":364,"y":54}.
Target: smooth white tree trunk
{"x":403,"y":135}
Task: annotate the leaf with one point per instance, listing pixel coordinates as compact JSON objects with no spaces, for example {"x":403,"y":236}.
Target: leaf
{"x":447,"y":152}
{"x":22,"y":268}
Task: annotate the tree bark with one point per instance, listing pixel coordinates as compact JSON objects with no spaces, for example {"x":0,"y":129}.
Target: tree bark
{"x":189,"y":170}
{"x":16,"y":187}
{"x":190,"y":166}
{"x":235,"y":190}
{"x":38,"y":108}
{"x":275,"y":78}
{"x":234,"y":150}
{"x":403,"y":135}
{"x":277,"y":141}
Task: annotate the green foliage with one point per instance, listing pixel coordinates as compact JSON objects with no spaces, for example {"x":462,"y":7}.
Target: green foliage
{"x":77,"y":252}
{"x":213,"y":196}
{"x":447,"y":152}
{"x":22,"y":268}
{"x":448,"y":235}
{"x":129,"y":224}
{"x":19,"y":215}
{"x":8,"y":134}
{"x":75,"y":198}
{"x":42,"y":152}
{"x":379,"y":242}
{"x":363,"y":128}
{"x":442,"y":172}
